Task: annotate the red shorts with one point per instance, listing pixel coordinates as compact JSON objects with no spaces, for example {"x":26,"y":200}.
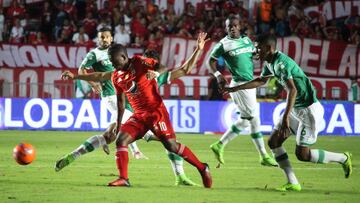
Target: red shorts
{"x":158,"y":121}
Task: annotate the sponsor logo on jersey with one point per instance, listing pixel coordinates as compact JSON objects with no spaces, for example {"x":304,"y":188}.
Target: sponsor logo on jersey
{"x":240,"y":51}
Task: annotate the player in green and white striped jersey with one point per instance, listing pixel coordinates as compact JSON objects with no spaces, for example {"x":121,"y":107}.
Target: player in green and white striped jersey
{"x":98,"y":60}
{"x":237,"y":50}
{"x":303,"y":114}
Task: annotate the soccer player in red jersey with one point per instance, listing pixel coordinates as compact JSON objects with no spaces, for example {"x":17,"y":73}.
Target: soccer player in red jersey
{"x":150,"y":113}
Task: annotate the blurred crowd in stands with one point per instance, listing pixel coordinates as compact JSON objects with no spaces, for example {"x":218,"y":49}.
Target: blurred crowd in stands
{"x":143,"y":24}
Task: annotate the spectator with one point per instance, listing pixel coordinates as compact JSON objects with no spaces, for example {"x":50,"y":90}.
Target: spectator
{"x":59,"y":20}
{"x":64,"y":38}
{"x":36,"y":38}
{"x":2,"y":23}
{"x":80,"y":38}
{"x":17,"y":32}
{"x":90,"y":24}
{"x":121,"y":35}
{"x":104,"y":23}
{"x":138,"y":26}
{"x":105,"y":11}
{"x":47,"y":19}
{"x":15,"y":11}
{"x":264,"y":16}
{"x":70,"y":9}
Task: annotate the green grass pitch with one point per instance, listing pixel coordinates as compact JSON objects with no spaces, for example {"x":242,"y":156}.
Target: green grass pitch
{"x":242,"y":179}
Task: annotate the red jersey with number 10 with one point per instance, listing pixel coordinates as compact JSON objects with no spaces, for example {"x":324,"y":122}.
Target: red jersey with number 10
{"x":143,"y":94}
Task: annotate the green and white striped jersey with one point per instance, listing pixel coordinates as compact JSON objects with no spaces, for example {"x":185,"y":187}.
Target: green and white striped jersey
{"x":237,"y":54}
{"x":98,"y":60}
{"x":284,"y":68}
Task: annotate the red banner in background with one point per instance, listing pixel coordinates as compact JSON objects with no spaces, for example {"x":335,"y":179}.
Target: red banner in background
{"x":334,"y":9}
{"x":318,"y":58}
{"x":34,"y":70}
{"x":46,"y":56}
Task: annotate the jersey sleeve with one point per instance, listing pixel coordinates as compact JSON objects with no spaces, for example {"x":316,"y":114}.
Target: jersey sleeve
{"x":285,"y":71}
{"x":265,"y":71}
{"x":217,"y":51}
{"x":117,"y":88}
{"x":164,"y":78}
{"x":147,"y":63}
{"x":88,"y":61}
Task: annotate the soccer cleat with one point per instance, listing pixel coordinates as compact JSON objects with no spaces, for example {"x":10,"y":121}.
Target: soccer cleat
{"x":206,"y":176}
{"x":289,"y":187}
{"x":347,"y":165}
{"x":120,"y":182}
{"x":268,"y":161}
{"x":183,"y":180}
{"x":218,"y":149}
{"x":61,"y":163}
{"x":139,"y":155}
{"x":106,"y":149}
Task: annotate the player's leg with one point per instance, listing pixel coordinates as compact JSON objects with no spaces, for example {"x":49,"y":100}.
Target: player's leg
{"x":219,"y":146}
{"x":128,"y":133}
{"x":177,"y":165}
{"x":307,"y":135}
{"x":89,"y":145}
{"x":111,"y":105}
{"x":275,"y":143}
{"x":176,"y":161}
{"x":247,"y":104}
{"x":162,"y":128}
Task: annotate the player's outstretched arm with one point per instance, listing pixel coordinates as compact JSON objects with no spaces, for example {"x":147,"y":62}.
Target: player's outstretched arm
{"x":94,"y":85}
{"x":189,"y":64}
{"x":257,"y":82}
{"x":96,"y":76}
{"x":290,"y":101}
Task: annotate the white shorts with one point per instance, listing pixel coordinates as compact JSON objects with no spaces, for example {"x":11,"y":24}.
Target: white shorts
{"x":305,"y":123}
{"x":111,"y":105}
{"x":245,"y":100}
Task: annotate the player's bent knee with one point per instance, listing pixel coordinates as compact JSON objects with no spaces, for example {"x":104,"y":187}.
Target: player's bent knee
{"x":302,"y":155}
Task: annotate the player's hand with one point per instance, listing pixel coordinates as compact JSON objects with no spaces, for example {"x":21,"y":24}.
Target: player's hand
{"x":67,"y":75}
{"x":284,"y":130}
{"x":151,"y":74}
{"x":228,"y":89}
{"x":96,"y":88}
{"x":221,"y":82}
{"x":201,"y":40}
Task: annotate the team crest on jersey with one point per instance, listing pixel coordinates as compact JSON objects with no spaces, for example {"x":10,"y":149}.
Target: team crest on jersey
{"x":246,"y":41}
{"x":133,"y":88}
{"x":105,"y":62}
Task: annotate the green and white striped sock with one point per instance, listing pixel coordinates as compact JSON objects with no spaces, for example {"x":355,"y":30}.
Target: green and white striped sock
{"x":322,"y":156}
{"x":176,"y":163}
{"x":230,"y":134}
{"x":89,"y":145}
{"x":258,"y":141}
{"x":283,"y":160}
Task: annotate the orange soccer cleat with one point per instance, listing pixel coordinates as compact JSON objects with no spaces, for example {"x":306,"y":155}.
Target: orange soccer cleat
{"x":120,"y":182}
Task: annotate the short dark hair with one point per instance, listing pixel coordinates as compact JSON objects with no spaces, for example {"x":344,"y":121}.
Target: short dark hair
{"x":105,"y":29}
{"x":266,"y":39}
{"x":150,"y":53}
{"x":233,"y":17}
{"x":117,"y":48}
